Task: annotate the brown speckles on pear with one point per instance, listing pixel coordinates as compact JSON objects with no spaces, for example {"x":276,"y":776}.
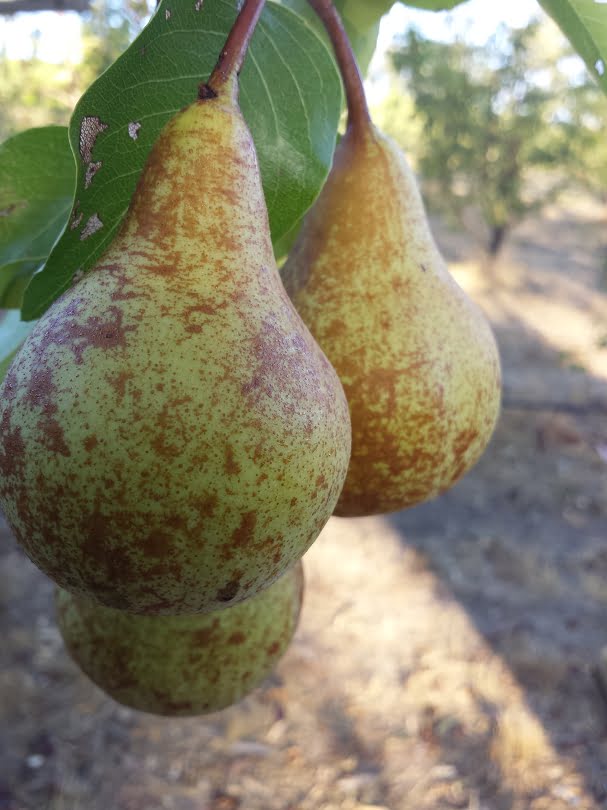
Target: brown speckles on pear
{"x":245,"y":532}
{"x":273,"y":649}
{"x":76,"y":333}
{"x":232,"y":467}
{"x":205,"y":634}
{"x":119,"y":381}
{"x":11,"y":450}
{"x":90,"y":442}
{"x":229,"y":591}
{"x":180,"y":665}
{"x":412,"y":351}
{"x":145,"y":361}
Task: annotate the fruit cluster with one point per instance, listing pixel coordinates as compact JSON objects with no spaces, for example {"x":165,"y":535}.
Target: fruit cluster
{"x":177,"y":429}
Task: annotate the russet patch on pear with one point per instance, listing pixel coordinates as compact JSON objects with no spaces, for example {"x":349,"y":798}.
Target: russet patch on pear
{"x":417,"y":358}
{"x":172,"y":437}
{"x":182,"y":665}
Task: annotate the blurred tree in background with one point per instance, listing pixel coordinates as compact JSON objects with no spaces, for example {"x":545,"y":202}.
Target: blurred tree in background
{"x":491,"y":117}
{"x":495,"y":131}
{"x":35,"y":93}
{"x":107,"y":31}
{"x":589,"y":113}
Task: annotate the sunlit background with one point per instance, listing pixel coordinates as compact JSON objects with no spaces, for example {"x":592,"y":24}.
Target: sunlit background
{"x":450,"y":656}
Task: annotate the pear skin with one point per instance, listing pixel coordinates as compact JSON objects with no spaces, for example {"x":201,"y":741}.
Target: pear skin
{"x":172,"y":438}
{"x":417,"y":358}
{"x":182,"y":665}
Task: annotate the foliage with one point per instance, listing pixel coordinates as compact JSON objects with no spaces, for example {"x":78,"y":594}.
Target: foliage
{"x":395,"y":115}
{"x":117,"y":121}
{"x":37,"y":177}
{"x":584,"y":22}
{"x":108,"y":30}
{"x":490,"y":117}
{"x":34,"y":93}
{"x":588,"y":116}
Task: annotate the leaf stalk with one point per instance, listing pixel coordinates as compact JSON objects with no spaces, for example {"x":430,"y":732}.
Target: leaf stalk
{"x":359,"y":117}
{"x":234,"y":51}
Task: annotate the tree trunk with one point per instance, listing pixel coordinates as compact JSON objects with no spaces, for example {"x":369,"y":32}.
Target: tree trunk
{"x":496,"y":239}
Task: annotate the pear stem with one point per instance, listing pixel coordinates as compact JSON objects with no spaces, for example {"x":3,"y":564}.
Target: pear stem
{"x":234,"y":51}
{"x":359,"y":117}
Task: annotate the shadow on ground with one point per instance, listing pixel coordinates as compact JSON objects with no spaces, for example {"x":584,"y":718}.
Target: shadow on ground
{"x":444,"y":658}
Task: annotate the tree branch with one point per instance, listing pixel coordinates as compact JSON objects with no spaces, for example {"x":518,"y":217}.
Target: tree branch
{"x":8,"y":7}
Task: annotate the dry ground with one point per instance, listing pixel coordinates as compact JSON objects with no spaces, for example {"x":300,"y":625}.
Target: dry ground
{"x":446,"y":655}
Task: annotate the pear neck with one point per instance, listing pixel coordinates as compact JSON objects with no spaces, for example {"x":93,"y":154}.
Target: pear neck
{"x":227,"y":89}
{"x":360,"y":132}
{"x":199,"y":198}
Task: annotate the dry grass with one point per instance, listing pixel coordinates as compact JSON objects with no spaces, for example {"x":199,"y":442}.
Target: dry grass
{"x":442,"y":658}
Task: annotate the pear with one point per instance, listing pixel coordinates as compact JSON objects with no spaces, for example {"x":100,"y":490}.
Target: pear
{"x":172,"y":438}
{"x":182,"y":665}
{"x":417,"y":359}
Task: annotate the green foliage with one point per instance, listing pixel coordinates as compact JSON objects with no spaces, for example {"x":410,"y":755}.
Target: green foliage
{"x":489,"y":119}
{"x":361,"y":21}
{"x":34,"y":94}
{"x":395,"y":115}
{"x":116,"y":122}
{"x":108,"y":30}
{"x":585,"y":24}
{"x":37,"y":176}
{"x":12,"y":334}
{"x":589,"y":114}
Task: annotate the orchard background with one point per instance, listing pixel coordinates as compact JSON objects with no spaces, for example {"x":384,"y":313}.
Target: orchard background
{"x":449,"y":656}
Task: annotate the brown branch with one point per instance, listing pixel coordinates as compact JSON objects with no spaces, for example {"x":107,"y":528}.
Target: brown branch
{"x":358,"y":111}
{"x":8,"y":7}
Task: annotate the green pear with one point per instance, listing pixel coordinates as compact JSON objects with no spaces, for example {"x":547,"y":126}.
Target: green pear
{"x":416,"y":357}
{"x":172,"y":438}
{"x":182,"y":665}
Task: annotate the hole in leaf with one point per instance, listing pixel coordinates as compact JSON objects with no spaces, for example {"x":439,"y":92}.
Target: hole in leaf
{"x":134,"y":127}
{"x":90,"y":128}
{"x":93,"y":224}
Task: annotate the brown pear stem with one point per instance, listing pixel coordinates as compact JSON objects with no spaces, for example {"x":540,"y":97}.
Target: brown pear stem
{"x":234,"y":51}
{"x":359,"y":118}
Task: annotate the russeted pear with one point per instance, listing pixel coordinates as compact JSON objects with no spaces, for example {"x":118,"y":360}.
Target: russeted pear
{"x":182,"y":665}
{"x":416,"y":357}
{"x":172,"y":438}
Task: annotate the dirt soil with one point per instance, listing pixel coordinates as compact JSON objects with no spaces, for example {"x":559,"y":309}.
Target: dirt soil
{"x":448,"y":656}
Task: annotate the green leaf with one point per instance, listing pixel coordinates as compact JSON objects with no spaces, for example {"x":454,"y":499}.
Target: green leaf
{"x":37,"y":176}
{"x":363,"y":14}
{"x":360,"y":19}
{"x":434,"y":5}
{"x":12,"y":334}
{"x":290,"y":95}
{"x":584,"y":23}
